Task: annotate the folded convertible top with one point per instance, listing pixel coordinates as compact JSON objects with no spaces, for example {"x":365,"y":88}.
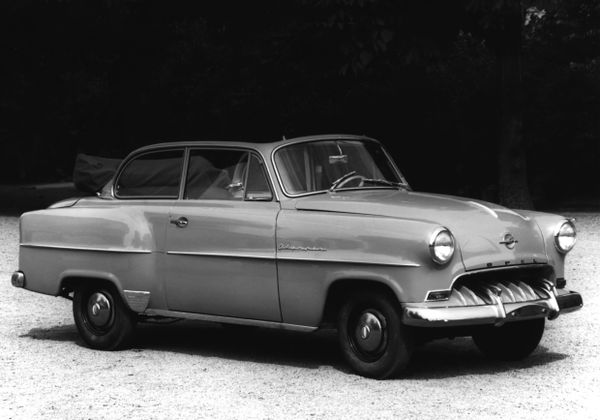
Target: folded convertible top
{"x":91,"y":173}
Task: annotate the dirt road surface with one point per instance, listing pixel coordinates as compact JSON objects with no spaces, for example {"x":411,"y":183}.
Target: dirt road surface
{"x":196,"y":370}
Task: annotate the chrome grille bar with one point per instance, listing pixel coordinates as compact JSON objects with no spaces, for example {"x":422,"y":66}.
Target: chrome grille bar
{"x":507,"y":291}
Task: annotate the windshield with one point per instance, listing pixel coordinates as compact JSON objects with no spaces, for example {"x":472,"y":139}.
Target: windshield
{"x":335,"y":164}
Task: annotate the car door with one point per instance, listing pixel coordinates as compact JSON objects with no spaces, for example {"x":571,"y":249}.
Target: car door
{"x":146,"y":188}
{"x":221,"y":238}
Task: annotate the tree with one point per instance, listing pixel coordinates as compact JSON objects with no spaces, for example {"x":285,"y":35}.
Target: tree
{"x":501,"y":24}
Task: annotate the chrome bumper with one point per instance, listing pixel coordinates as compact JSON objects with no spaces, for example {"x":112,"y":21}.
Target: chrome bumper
{"x":497,"y":313}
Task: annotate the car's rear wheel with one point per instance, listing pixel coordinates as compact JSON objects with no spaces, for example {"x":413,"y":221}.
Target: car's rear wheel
{"x":372,"y":338}
{"x":512,"y":341}
{"x":103,"y":320}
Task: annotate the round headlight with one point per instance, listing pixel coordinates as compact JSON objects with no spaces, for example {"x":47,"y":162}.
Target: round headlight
{"x":441,"y":246}
{"x":565,"y":236}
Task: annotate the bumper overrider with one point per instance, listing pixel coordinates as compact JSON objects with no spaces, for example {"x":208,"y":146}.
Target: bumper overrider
{"x":18,"y":279}
{"x":495,"y":302}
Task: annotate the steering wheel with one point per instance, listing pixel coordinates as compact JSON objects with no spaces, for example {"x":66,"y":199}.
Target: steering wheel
{"x":352,"y":178}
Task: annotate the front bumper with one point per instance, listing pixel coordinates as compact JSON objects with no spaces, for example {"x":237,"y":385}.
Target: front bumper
{"x":497,"y":311}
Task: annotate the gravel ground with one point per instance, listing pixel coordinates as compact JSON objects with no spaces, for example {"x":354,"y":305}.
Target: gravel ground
{"x":195,"y":370}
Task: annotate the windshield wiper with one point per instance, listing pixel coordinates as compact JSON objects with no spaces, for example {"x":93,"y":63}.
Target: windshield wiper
{"x":341,"y":179}
{"x":382,"y":182}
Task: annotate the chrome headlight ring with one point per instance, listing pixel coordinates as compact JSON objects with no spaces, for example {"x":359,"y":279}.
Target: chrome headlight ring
{"x":565,"y":236}
{"x":441,"y":245}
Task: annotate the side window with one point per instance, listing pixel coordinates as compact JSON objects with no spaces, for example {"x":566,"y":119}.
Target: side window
{"x":257,"y":186}
{"x":217,"y":174}
{"x":153,"y":174}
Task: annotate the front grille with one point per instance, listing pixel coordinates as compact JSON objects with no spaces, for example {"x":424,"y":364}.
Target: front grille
{"x":509,"y":285}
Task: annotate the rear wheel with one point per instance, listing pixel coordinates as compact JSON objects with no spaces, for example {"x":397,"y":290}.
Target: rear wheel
{"x":372,"y":339}
{"x":512,"y":341}
{"x":102,"y":318}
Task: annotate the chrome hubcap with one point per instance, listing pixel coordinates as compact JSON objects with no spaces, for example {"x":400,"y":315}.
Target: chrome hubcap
{"x":369,"y":332}
{"x":99,"y":309}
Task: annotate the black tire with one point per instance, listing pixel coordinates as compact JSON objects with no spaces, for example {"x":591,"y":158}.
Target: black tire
{"x":385,"y":347}
{"x":512,"y":341}
{"x":103,"y":320}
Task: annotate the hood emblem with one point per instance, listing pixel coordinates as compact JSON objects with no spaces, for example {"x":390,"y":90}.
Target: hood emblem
{"x":509,"y":240}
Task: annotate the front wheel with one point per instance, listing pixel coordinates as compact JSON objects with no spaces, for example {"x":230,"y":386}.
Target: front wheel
{"x":103,"y":320}
{"x":372,"y":338}
{"x":512,"y":341}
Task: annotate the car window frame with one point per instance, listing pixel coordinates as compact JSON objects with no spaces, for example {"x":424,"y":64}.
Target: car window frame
{"x":364,"y":139}
{"x":250,"y":151}
{"x":149,"y":197}
{"x":186,"y":154}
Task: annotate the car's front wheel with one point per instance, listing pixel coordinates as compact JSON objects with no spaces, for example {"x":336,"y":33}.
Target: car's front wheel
{"x":102,"y":318}
{"x":372,"y":338}
{"x":512,"y":341}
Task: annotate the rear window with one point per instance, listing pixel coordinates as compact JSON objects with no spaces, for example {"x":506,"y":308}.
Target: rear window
{"x":153,"y":174}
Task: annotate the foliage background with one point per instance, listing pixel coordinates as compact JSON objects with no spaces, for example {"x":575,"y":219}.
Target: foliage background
{"x":105,"y":76}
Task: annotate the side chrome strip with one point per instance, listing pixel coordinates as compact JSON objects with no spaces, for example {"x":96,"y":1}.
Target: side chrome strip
{"x":288,"y":258}
{"x":329,"y":260}
{"x":228,"y":320}
{"x":222,"y":254}
{"x":85,"y":248}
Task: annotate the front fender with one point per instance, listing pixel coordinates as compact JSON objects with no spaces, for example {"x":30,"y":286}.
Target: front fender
{"x":316,"y":249}
{"x":548,"y":223}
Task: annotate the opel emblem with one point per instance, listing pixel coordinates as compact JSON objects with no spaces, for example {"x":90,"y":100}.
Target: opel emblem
{"x":509,"y":241}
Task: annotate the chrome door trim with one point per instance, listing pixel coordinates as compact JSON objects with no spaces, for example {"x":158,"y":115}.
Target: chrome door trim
{"x":85,"y":248}
{"x":221,"y":254}
{"x":228,"y":320}
{"x":291,"y":258}
{"x":343,"y":261}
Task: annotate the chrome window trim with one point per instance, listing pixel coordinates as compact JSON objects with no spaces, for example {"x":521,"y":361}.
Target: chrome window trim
{"x":184,"y":172}
{"x":130,"y":159}
{"x":186,"y":148}
{"x":87,"y":248}
{"x":342,"y":137}
{"x":265,"y":172}
{"x":255,"y":152}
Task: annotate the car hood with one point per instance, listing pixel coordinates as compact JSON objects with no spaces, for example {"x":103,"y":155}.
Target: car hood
{"x":478,"y":226}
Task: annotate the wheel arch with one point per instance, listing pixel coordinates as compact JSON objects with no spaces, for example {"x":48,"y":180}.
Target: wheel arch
{"x":341,"y":288}
{"x":69,"y":279}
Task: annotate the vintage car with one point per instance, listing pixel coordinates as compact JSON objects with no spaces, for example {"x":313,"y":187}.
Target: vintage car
{"x":300,"y":234}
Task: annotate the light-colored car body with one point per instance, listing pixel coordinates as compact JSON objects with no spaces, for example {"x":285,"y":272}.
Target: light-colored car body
{"x":279,"y":262}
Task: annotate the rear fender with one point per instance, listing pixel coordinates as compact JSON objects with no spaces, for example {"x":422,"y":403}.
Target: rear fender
{"x":137,"y":301}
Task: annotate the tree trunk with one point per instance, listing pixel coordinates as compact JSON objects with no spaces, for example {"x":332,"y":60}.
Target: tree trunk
{"x":513,"y":188}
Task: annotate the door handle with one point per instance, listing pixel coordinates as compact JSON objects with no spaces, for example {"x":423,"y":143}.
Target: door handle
{"x":180,"y":223}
